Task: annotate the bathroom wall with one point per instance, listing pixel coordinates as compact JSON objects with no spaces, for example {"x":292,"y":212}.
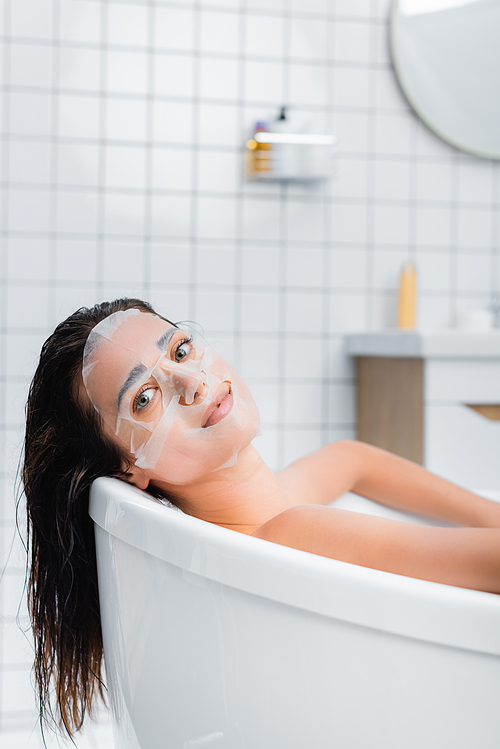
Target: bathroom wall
{"x":121,"y":167}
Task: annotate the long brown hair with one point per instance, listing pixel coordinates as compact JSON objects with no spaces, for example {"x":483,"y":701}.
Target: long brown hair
{"x":65,"y":450}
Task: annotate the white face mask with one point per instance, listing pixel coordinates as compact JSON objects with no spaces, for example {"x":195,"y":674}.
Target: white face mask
{"x":175,"y":404}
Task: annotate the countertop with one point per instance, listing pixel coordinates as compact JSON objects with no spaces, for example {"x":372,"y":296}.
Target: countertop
{"x":431,"y":344}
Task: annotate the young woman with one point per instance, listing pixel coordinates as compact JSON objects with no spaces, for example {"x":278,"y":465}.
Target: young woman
{"x":121,"y":391}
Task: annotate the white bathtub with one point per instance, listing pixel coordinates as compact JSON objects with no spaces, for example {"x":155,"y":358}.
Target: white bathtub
{"x":219,"y":640}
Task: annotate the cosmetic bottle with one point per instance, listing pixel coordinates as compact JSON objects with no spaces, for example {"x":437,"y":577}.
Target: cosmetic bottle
{"x":258,"y":154}
{"x":407,"y":298}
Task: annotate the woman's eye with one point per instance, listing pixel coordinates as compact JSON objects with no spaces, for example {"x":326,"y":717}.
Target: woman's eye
{"x":182,"y":351}
{"x":144,"y":399}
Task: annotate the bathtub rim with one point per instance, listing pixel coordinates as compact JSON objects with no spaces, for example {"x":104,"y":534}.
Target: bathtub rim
{"x":380,"y":600}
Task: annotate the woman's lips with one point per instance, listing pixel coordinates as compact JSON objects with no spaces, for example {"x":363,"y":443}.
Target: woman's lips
{"x":220,"y":406}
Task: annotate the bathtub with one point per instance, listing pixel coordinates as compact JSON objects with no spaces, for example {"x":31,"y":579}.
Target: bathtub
{"x":217,"y":640}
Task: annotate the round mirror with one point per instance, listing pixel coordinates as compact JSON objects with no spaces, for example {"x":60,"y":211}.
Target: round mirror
{"x":447,"y":58}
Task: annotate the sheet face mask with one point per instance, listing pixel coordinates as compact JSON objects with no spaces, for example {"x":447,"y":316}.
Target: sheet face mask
{"x":174,"y":403}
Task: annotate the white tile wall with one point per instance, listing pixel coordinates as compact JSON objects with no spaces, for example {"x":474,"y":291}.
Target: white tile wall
{"x":122,"y":125}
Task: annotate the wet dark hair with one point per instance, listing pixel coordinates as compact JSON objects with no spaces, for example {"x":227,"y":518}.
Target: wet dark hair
{"x":65,"y":450}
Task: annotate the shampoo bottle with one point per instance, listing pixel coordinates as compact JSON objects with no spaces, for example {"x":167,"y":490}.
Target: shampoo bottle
{"x":407,"y":299}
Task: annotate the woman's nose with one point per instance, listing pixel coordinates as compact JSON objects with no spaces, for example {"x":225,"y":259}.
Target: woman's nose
{"x":191,"y":387}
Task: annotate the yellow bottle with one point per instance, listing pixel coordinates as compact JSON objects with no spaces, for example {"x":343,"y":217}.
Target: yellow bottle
{"x":407,"y":299}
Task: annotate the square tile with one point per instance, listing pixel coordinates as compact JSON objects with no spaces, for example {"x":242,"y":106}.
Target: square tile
{"x":348,"y":268}
{"x":215,"y":310}
{"x":260,"y":266}
{"x":218,"y":125}
{"x":76,"y":213}
{"x":304,"y":267}
{"x":173,"y":75}
{"x":125,"y":119}
{"x":31,"y":20}
{"x":433,"y":181}
{"x":266,"y":396}
{"x":261,"y":219}
{"x":172,"y":122}
{"x":79,"y":69}
{"x":30,"y":65}
{"x":219,"y":79}
{"x":348,"y":223}
{"x":264,"y":35}
{"x":352,"y":129}
{"x":475,"y":181}
{"x":433,"y":271}
{"x":219,"y":32}
{"x":305,"y":221}
{"x":172,"y":168}
{"x":303,"y":312}
{"x":351,"y":87}
{"x":260,"y":357}
{"x":27,"y":306}
{"x":391,"y":224}
{"x":342,"y":400}
{"x":303,"y":404}
{"x":169,"y":263}
{"x":124,"y":214}
{"x":215,"y":266}
{"x":127,"y":24}
{"x":174,"y":28}
{"x":259,"y":312}
{"x":475,"y":228}
{"x":78,"y":164}
{"x":341,"y":365}
{"x":308,"y":85}
{"x":434,"y":312}
{"x":433,"y":226}
{"x":304,"y":353}
{"x":216,"y":218}
{"x":383,"y":314}
{"x":78,"y":116}
{"x":310,"y":6}
{"x":474,"y":272}
{"x":350,"y":180}
{"x":123,"y":262}
{"x":29,"y":162}
{"x":76,"y":261}
{"x":127,"y":72}
{"x":351,"y":41}
{"x":358,"y":8}
{"x":29,"y":210}
{"x":393,"y":134}
{"x":30,"y":114}
{"x":264,"y":81}
{"x":79,"y":21}
{"x":27,"y":258}
{"x":171,"y":215}
{"x":219,"y":171}
{"x":347,"y":312}
{"x":392,"y":179}
{"x":308,"y":39}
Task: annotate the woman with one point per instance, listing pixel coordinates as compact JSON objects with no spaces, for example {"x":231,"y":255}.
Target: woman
{"x":121,"y":391}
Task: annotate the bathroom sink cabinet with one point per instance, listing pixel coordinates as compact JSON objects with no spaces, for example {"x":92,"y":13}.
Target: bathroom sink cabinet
{"x":433,"y":398}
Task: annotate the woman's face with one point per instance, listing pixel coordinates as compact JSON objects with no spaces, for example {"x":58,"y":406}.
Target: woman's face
{"x":173,"y":403}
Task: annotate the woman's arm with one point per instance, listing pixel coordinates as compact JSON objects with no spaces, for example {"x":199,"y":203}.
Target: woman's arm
{"x":465,"y":557}
{"x":388,"y":479}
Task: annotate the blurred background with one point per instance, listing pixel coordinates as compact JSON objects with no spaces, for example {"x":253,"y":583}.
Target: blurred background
{"x":123,"y":131}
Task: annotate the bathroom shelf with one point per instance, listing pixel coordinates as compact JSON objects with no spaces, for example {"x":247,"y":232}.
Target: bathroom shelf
{"x":290,"y":157}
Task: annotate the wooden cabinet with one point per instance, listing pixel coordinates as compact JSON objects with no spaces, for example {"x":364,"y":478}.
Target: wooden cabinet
{"x":437,"y":404}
